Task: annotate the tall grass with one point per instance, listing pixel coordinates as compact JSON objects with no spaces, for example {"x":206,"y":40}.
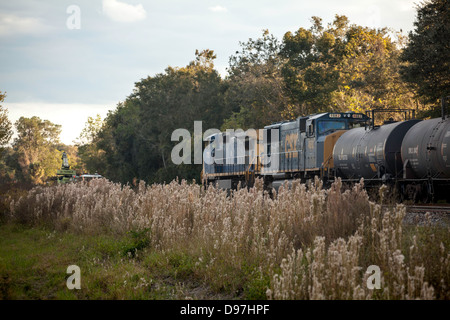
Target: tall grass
{"x":302,"y":243}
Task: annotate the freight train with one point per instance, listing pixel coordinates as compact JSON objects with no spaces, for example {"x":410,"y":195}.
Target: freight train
{"x":412,"y":156}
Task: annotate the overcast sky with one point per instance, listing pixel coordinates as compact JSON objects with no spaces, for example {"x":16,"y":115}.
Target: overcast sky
{"x":67,"y":60}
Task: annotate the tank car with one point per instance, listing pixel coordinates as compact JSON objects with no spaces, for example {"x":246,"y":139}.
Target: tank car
{"x":426,"y":150}
{"x":371,"y":153}
{"x":426,"y":160}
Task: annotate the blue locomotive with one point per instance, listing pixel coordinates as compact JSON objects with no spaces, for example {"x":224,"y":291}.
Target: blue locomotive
{"x":287,"y":150}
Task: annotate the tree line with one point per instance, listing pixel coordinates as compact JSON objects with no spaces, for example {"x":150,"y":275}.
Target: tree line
{"x":335,"y":67}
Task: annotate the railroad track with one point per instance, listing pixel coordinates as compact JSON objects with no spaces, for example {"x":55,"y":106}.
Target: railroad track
{"x":429,"y":208}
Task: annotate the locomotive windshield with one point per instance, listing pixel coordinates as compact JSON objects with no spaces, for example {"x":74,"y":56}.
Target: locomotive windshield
{"x":326,"y":127}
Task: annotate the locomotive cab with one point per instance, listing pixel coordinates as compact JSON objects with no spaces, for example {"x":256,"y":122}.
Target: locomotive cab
{"x":323,"y":131}
{"x":305,"y":144}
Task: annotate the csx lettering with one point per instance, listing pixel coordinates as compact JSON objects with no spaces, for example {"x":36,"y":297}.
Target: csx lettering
{"x":290,"y":145}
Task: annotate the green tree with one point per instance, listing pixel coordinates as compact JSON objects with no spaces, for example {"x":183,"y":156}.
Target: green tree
{"x":90,"y":157}
{"x":171,"y":101}
{"x":427,"y":54}
{"x":135,"y":140}
{"x":5,"y":124}
{"x":369,"y":68}
{"x":35,"y":149}
{"x":90,"y":131}
{"x":255,"y":87}
{"x":343,"y":67}
{"x":8,"y":164}
{"x":310,"y":72}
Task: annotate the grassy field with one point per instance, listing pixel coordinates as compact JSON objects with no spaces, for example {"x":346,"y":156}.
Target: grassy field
{"x":178,"y":241}
{"x":34,"y":261}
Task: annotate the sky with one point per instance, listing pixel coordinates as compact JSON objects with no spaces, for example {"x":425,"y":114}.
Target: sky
{"x":66,"y":60}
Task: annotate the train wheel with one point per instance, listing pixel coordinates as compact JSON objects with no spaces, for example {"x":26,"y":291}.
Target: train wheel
{"x":411,"y":191}
{"x":425,"y":195}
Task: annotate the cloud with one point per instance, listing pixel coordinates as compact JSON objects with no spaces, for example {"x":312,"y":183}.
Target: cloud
{"x":123,"y":12}
{"x":14,"y":24}
{"x":218,"y":9}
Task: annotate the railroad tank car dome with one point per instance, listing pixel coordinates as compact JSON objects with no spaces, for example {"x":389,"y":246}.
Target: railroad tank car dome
{"x":426,"y":149}
{"x":371,"y":154}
